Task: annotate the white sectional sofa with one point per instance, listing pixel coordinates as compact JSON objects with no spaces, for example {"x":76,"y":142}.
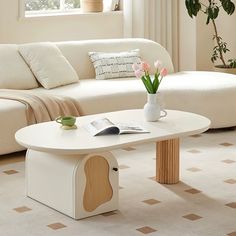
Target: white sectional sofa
{"x":206,"y":93}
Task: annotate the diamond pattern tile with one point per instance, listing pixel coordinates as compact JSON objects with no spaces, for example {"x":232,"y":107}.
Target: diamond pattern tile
{"x":22,"y":209}
{"x":194,"y":151}
{"x":232,"y":234}
{"x":232,"y":205}
{"x":192,"y":217}
{"x":129,"y":149}
{"x":121,"y":167}
{"x":226,"y":144}
{"x":228,"y":161}
{"x":56,"y":226}
{"x":192,"y":191}
{"x":194,"y":169}
{"x":196,"y":136}
{"x":153,"y":178}
{"x":230,"y":181}
{"x":151,"y":201}
{"x":146,"y":230}
{"x":10,"y":172}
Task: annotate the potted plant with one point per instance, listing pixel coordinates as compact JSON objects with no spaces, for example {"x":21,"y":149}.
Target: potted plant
{"x":152,"y":109}
{"x":211,"y":9}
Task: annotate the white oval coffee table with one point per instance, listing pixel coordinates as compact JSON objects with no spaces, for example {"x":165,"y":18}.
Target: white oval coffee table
{"x":75,"y":173}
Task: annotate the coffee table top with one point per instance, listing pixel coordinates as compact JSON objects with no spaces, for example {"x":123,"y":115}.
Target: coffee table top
{"x":49,"y":137}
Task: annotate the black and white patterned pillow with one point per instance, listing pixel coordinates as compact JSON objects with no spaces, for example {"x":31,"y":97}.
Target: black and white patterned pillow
{"x":114,"y":65}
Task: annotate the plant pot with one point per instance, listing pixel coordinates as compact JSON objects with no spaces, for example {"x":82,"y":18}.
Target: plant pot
{"x":222,"y":69}
{"x":92,"y":5}
{"x":152,"y":109}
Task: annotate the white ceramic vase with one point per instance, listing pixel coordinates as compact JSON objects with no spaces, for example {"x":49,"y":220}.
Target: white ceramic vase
{"x":152,"y":109}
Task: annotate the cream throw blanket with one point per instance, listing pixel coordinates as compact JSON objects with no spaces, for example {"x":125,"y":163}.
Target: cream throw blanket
{"x":41,"y":107}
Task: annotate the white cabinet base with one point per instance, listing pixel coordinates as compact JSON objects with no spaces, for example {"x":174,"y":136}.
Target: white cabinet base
{"x":76,"y":185}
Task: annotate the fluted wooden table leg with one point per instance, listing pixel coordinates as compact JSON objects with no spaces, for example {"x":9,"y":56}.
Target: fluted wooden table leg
{"x":167,"y":162}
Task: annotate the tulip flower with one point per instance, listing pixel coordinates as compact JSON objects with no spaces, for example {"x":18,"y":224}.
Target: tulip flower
{"x":163,"y":72}
{"x":136,"y":66}
{"x":145,"y":66}
{"x":157,"y":64}
{"x":139,"y":73}
{"x":151,"y":83}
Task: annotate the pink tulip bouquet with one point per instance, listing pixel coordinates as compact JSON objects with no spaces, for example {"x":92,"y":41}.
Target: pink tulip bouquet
{"x":151,"y":83}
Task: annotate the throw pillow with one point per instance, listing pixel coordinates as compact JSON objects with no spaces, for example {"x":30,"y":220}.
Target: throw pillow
{"x":48,"y":64}
{"x":14,"y":72}
{"x":114,"y":65}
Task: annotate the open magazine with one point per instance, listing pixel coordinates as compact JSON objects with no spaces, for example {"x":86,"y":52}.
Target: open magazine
{"x":104,"y":126}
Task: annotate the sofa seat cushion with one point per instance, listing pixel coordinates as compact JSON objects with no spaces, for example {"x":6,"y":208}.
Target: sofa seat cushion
{"x":12,"y":118}
{"x":97,"y":96}
{"x":210,"y":94}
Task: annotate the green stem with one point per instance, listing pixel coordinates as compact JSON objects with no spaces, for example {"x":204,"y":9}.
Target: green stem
{"x":160,"y":81}
{"x":218,"y":43}
{"x":203,"y":5}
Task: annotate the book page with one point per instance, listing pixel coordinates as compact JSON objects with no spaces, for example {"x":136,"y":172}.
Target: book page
{"x":102,"y":126}
{"x":131,"y":128}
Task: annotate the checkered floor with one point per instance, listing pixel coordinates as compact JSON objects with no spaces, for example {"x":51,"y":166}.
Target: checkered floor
{"x":202,"y":204}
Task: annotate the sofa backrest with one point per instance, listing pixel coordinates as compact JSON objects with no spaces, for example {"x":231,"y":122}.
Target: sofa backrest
{"x":76,"y":53}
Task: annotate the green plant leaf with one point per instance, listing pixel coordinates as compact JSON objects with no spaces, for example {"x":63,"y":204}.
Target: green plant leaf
{"x":189,"y":9}
{"x":193,"y":7}
{"x":232,"y":63}
{"x":144,"y":82}
{"x":156,"y":82}
{"x":232,"y":9}
{"x":216,"y":12}
{"x":209,"y":12}
{"x":228,"y":6}
{"x":212,"y":13}
{"x":149,"y":81}
{"x":147,"y":85}
{"x":208,"y":20}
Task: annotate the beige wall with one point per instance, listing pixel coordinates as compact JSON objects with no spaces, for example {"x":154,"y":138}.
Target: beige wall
{"x":187,"y":40}
{"x":227,"y":26}
{"x":56,"y":28}
{"x":204,"y":34}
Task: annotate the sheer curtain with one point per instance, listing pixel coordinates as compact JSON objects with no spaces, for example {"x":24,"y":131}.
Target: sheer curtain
{"x":156,"y":20}
{"x":128,"y":18}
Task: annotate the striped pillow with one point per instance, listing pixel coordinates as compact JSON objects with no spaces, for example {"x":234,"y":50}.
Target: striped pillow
{"x":115,"y":64}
